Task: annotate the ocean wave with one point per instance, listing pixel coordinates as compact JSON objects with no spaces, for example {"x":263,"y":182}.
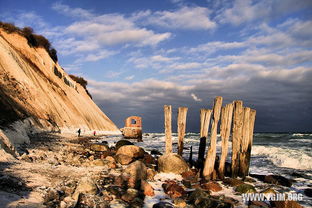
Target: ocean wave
{"x":301,"y":135}
{"x":281,"y":157}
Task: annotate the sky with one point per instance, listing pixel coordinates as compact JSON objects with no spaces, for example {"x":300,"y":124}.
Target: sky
{"x":139,"y":55}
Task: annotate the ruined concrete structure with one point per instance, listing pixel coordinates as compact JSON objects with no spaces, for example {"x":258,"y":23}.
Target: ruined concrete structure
{"x":133,"y":128}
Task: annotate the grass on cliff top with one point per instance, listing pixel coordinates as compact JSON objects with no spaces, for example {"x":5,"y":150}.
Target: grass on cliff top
{"x":33,"y":39}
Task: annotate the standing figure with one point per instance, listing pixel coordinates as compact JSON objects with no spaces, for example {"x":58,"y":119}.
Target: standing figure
{"x":79,"y":131}
{"x":94,"y":133}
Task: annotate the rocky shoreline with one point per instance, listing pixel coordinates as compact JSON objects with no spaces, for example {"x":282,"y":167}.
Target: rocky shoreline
{"x":66,"y":171}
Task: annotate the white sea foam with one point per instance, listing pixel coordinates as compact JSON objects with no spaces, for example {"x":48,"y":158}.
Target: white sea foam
{"x":282,"y":157}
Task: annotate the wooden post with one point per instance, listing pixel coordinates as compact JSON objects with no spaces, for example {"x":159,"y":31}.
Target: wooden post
{"x":243,"y":167}
{"x":237,"y":135}
{"x":212,"y":150}
{"x":226,"y":122}
{"x":205,"y":115}
{"x":251,"y":131}
{"x":182,"y":112}
{"x":167,"y":113}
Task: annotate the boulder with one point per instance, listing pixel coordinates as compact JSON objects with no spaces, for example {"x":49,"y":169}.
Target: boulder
{"x":136,"y":172}
{"x":245,"y":188}
{"x":150,"y":174}
{"x":278,"y":180}
{"x":98,"y":147}
{"x":149,"y":159}
{"x":163,"y":205}
{"x":173,"y":189}
{"x":211,"y":186}
{"x":308,"y":192}
{"x":124,"y":159}
{"x":130,"y":195}
{"x":85,"y":186}
{"x":173,"y":163}
{"x":147,"y":188}
{"x":97,"y":162}
{"x":286,"y":204}
{"x":179,"y":203}
{"x":131,"y":151}
{"x":122,"y":142}
{"x":232,"y":182}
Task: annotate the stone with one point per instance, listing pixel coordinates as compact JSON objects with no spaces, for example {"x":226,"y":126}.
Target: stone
{"x":278,"y":180}
{"x":286,"y":204}
{"x":149,"y":159}
{"x":190,"y":175}
{"x":173,"y":163}
{"x":150,"y":174}
{"x":212,"y":186}
{"x":116,"y":190}
{"x":85,"y":186}
{"x":179,"y":203}
{"x":130,"y":195}
{"x":245,"y":188}
{"x":122,"y":142}
{"x":173,"y":189}
{"x":131,"y":151}
{"x":110,"y":158}
{"x":259,"y":204}
{"x":308,"y":192}
{"x":117,"y":203}
{"x":136,"y":172}
{"x":155,"y":152}
{"x":163,"y":205}
{"x":147,"y":188}
{"x":124,"y":159}
{"x":232,"y":182}
{"x":97,"y":162}
{"x":99,"y":147}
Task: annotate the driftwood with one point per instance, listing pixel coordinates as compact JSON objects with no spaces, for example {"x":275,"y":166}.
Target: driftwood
{"x":182,"y":112}
{"x":168,"y":131}
{"x":205,"y":115}
{"x":225,"y":130}
{"x":237,"y":135}
{"x":212,"y":150}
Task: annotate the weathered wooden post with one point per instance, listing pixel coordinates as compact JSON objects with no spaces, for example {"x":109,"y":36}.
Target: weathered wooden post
{"x":182,"y":112}
{"x":226,"y":122}
{"x":243,"y":167}
{"x":212,"y":150}
{"x":237,"y":135}
{"x":205,"y":115}
{"x":167,"y":113}
{"x":251,"y":131}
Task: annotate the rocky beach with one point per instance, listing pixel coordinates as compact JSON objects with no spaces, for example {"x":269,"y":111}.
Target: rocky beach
{"x":68,"y":171}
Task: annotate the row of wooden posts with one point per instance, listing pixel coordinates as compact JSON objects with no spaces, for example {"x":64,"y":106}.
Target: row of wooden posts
{"x":242,"y":136}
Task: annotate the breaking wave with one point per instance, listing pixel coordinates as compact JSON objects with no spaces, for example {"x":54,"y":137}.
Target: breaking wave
{"x":281,"y":157}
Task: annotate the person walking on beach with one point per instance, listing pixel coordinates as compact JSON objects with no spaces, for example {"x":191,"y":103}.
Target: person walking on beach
{"x":79,"y":131}
{"x":94,"y":133}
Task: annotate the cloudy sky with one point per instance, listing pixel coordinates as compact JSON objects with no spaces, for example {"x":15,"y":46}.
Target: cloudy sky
{"x":139,"y":55}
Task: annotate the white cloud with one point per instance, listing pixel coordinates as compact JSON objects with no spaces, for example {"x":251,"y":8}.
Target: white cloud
{"x":98,"y":56}
{"x":195,"y":98}
{"x":183,"y":66}
{"x":193,"y":18}
{"x":72,"y":12}
{"x":129,"y":77}
{"x":242,"y":11}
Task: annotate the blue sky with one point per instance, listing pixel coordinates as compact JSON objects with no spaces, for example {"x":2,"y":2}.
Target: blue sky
{"x":139,"y":55}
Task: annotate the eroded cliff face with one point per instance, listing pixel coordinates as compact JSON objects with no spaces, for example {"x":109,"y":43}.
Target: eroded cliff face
{"x":35,"y":88}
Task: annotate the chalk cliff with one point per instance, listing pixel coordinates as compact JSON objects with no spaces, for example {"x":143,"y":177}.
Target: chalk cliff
{"x":36,"y":93}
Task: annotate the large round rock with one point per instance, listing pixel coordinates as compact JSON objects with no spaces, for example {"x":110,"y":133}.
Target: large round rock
{"x":172,"y":163}
{"x":131,"y":151}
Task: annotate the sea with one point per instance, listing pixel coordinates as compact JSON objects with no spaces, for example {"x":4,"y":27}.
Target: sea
{"x":286,"y":154}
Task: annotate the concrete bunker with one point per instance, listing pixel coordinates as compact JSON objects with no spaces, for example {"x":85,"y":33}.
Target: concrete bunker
{"x":133,"y":128}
